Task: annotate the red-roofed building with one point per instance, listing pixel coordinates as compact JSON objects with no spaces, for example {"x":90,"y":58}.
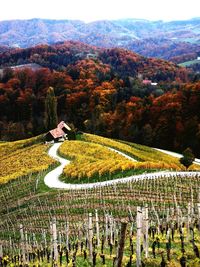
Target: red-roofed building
{"x":59,"y":133}
{"x":146,"y":81}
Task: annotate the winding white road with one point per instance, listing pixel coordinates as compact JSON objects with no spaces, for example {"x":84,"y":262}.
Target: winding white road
{"x":52,"y":178}
{"x":121,"y":153}
{"x":176,"y":155}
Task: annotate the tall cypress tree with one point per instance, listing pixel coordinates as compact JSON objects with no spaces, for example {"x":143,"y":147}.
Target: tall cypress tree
{"x":51,"y":118}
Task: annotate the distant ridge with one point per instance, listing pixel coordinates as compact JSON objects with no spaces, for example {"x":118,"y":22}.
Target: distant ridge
{"x":149,"y":38}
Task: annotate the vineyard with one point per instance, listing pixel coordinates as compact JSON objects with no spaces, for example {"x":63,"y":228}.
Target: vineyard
{"x":139,"y":152}
{"x":22,"y":158}
{"x":148,"y":222}
{"x":93,"y":163}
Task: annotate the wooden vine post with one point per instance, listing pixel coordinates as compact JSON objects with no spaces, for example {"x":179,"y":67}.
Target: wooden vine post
{"x":192,"y":202}
{"x":51,"y":237}
{"x":132,"y":220}
{"x":67,"y":235}
{"x":60,"y":239}
{"x":188,"y":221}
{"x":90,"y":236}
{"x":97,"y":227}
{"x":139,"y":234}
{"x":111,"y":229}
{"x":145,"y":230}
{"x":26,"y":245}
{"x":54,"y":233}
{"x":44,"y":239}
{"x":120,"y":249}
{"x":157,"y":217}
{"x":1,"y":251}
{"x":22,"y":243}
{"x":106,"y":228}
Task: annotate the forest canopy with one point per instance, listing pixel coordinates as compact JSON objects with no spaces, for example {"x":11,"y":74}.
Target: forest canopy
{"x":111,"y":92}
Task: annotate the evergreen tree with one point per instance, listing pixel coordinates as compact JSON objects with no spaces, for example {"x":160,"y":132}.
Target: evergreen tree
{"x":51,"y":119}
{"x":188,"y":157}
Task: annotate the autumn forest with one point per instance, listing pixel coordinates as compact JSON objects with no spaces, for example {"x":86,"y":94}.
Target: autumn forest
{"x":110,"y":92}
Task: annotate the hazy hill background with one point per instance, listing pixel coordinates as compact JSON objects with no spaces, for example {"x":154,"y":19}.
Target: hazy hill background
{"x":167,"y":40}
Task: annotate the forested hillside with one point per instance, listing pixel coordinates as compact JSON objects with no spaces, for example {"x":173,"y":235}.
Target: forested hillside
{"x":166,"y":40}
{"x":112,"y":92}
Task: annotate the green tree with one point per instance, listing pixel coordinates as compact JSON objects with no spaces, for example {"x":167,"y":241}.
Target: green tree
{"x":51,"y":118}
{"x":188,"y":157}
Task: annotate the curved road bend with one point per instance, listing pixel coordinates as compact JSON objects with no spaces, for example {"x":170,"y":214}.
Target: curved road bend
{"x":52,"y":178}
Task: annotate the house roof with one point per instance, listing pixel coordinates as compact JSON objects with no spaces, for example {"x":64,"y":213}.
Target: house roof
{"x":146,"y":81}
{"x":58,"y":132}
{"x":61,"y":125}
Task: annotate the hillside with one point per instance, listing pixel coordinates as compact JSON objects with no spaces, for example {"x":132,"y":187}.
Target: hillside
{"x":112,"y":92}
{"x":162,"y":47}
{"x":110,"y":192}
{"x":122,"y":62}
{"x":28,"y":202}
{"x":4,"y":48}
{"x":88,"y":156}
{"x":149,"y":38}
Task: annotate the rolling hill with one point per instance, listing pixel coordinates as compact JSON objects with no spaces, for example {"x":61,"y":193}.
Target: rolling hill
{"x":84,"y":161}
{"x":99,"y":201}
{"x":95,"y":89}
{"x":69,"y":54}
{"x":112,"y":92}
{"x":149,"y":38}
{"x":28,"y":202}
